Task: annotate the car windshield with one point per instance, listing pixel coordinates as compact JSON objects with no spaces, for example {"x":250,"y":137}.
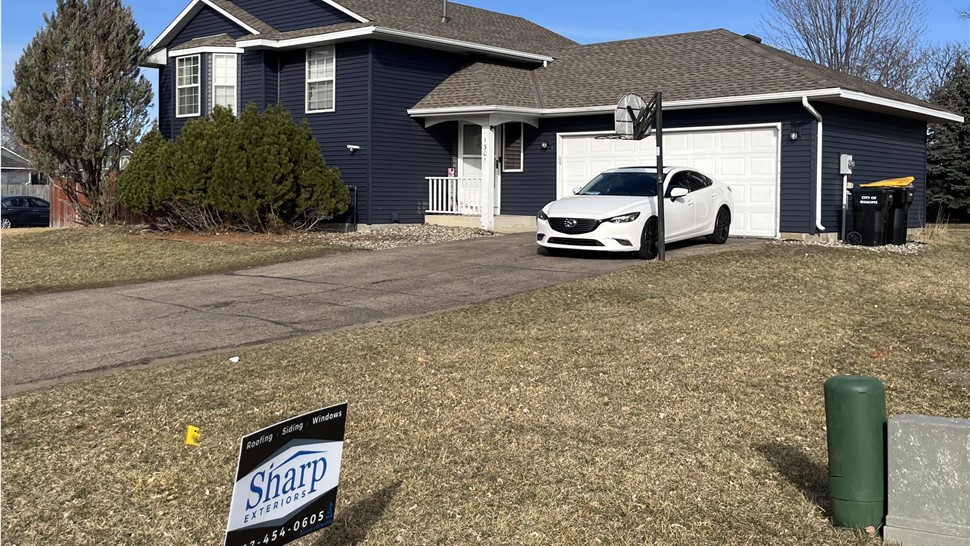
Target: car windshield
{"x":638,"y":184}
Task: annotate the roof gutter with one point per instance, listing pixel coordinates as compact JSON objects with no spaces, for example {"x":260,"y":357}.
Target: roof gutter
{"x":832,"y":94}
{"x":818,"y":163}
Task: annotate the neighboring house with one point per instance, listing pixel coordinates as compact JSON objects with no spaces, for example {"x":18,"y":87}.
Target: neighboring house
{"x":411,"y":103}
{"x":16,"y":168}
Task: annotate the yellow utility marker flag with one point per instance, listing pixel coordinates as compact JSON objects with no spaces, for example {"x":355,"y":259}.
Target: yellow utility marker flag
{"x":192,"y":435}
{"x":891,"y":183}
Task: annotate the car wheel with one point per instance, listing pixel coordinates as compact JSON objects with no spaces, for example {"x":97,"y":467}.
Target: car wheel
{"x":5,"y":223}
{"x":722,"y":227}
{"x":648,"y":241}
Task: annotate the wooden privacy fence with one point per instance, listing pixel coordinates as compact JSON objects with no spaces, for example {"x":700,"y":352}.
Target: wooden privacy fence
{"x":34,"y":190}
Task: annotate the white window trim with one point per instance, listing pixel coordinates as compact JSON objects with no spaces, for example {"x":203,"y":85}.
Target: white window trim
{"x":197,"y":85}
{"x":333,"y":78}
{"x":235,"y":81}
{"x":521,"y":149}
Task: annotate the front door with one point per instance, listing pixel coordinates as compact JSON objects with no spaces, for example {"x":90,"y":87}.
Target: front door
{"x":470,"y":161}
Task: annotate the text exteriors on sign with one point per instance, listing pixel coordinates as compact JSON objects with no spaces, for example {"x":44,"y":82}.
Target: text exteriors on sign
{"x":286,"y":480}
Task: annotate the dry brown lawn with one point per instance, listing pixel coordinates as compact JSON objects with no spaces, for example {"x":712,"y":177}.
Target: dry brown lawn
{"x":46,"y":260}
{"x":673,"y":403}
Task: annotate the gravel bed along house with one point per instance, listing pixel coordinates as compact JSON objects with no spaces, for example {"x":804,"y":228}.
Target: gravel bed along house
{"x":404,"y":236}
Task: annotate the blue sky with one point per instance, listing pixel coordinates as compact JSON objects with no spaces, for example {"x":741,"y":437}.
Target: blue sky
{"x":581,"y":20}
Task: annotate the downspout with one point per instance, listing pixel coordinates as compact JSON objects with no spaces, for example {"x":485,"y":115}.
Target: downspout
{"x":818,"y":163}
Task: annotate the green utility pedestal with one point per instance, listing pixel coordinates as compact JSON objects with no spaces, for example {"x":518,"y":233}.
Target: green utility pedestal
{"x":855,"y":416}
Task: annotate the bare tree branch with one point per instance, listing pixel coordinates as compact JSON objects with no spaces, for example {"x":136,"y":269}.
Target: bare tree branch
{"x":874,"y":39}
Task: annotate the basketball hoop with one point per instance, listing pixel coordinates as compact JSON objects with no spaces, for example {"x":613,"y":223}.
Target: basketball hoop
{"x":634,"y":118}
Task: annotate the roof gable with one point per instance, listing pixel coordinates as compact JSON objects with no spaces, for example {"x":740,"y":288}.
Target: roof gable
{"x":294,"y":15}
{"x":240,"y":21}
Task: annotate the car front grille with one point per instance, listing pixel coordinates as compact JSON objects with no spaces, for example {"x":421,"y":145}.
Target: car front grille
{"x":573,"y":242}
{"x":576,"y":225}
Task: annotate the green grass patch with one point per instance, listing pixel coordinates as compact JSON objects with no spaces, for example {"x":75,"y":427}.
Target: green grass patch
{"x":49,"y":260}
{"x":672,"y":403}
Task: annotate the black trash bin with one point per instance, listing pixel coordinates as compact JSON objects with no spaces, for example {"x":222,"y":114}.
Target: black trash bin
{"x":870,"y":207}
{"x":897,"y":219}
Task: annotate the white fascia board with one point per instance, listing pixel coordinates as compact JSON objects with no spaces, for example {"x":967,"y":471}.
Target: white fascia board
{"x":937,"y":115}
{"x":204,"y":49}
{"x":474,"y":111}
{"x":189,"y":12}
{"x":318,"y":39}
{"x":392,"y":34}
{"x":336,"y":6}
{"x":460,"y":44}
{"x":767,"y":98}
{"x":157,"y":59}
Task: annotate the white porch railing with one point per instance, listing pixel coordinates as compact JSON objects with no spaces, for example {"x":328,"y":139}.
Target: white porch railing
{"x":453,"y":195}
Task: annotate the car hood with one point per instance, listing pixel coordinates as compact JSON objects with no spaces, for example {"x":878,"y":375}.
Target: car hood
{"x":599,"y":206}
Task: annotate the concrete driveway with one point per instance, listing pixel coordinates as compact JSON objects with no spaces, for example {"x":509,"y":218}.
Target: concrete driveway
{"x":55,"y":337}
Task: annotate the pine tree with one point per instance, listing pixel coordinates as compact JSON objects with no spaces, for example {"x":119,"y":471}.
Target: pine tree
{"x":146,"y":185}
{"x":948,"y":149}
{"x":79,"y":100}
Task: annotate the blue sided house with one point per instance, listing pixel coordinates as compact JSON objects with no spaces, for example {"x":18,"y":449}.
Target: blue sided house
{"x":435,"y":111}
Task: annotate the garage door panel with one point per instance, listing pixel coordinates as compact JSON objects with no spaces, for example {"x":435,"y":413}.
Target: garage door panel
{"x":733,"y":167}
{"x":764,"y":139}
{"x":708,"y":165}
{"x":760,"y":195}
{"x":732,"y":141}
{"x":759,"y":222}
{"x":676,"y":143}
{"x":744,"y":158}
{"x":764,"y":166}
{"x":577,"y":145}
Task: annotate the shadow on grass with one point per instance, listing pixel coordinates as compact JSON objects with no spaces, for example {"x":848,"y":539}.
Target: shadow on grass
{"x":352,"y":525}
{"x":809,"y":477}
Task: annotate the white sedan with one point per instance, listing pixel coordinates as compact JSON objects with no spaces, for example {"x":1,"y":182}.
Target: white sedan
{"x":617,"y":212}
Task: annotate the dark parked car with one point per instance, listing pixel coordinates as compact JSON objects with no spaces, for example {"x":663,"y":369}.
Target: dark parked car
{"x":24,"y":210}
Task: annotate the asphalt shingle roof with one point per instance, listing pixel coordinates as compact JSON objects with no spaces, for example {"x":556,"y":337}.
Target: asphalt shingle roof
{"x":691,"y":66}
{"x":466,"y":23}
{"x":480,"y":84}
{"x":220,"y":40}
{"x":244,"y":16}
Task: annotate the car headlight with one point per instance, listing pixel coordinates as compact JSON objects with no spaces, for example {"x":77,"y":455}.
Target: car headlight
{"x":542,"y":216}
{"x":624,"y":218}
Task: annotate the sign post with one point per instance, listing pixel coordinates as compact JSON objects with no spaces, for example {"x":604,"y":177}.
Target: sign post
{"x":286,"y":479}
{"x":658,"y":100}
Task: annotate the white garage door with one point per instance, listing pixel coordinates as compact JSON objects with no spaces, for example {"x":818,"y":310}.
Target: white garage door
{"x":745,"y":158}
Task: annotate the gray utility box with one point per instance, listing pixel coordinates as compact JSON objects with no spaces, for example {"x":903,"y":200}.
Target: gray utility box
{"x":929,"y":481}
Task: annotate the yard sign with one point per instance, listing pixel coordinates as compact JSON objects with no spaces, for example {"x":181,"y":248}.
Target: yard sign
{"x":286,"y":479}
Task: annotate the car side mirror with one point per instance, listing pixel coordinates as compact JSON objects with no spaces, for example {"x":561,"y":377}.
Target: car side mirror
{"x":576,"y":189}
{"x":678,"y":192}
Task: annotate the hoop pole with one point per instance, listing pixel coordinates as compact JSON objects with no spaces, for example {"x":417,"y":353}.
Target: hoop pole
{"x":660,"y":179}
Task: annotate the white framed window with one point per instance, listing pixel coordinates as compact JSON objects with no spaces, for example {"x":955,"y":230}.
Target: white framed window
{"x":512,"y":147}
{"x":188,"y":98}
{"x":320,"y":79}
{"x":224,"y":69}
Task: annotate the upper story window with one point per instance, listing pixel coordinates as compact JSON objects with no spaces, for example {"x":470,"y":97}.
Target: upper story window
{"x":224,"y":81}
{"x":512,"y":148}
{"x":188,"y":99}
{"x":320,"y":80}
